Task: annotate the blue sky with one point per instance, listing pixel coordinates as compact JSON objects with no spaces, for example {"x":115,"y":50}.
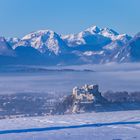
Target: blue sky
{"x":19,"y":17}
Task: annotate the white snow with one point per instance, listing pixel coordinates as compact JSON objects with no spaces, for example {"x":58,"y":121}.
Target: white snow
{"x":101,"y":35}
{"x":110,"y":125}
{"x":74,"y":39}
{"x":42,"y":40}
{"x":90,"y":53}
{"x":93,"y":29}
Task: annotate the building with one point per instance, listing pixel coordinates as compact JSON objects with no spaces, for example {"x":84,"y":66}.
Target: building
{"x":85,"y":96}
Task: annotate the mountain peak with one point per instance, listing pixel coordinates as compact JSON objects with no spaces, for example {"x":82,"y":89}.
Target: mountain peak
{"x":38,"y":33}
{"x":124,"y":37}
{"x":93,"y":29}
{"x":109,"y":31}
{"x":44,"y":41}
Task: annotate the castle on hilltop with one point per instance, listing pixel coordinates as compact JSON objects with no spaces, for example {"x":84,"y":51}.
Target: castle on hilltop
{"x":85,"y":96}
{"x":83,"y":99}
{"x":87,"y":93}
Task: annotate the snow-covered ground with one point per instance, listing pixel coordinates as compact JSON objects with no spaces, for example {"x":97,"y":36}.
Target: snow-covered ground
{"x":122,"y":125}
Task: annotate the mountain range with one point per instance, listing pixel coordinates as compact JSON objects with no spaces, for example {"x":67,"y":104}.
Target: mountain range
{"x":91,"y":46}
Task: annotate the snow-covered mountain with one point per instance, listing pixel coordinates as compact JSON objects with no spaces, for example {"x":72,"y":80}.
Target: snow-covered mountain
{"x":91,"y":36}
{"x":44,"y":41}
{"x":96,"y":45}
{"x":12,"y":41}
{"x":130,"y":51}
{"x":94,"y":36}
{"x":93,"y":45}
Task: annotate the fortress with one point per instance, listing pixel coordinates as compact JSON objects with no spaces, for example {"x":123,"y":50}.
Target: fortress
{"x":85,"y":96}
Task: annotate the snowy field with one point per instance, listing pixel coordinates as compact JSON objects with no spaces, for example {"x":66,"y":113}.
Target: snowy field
{"x":90,"y":126}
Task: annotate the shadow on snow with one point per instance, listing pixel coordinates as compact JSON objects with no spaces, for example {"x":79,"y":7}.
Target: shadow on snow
{"x":66,"y":127}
